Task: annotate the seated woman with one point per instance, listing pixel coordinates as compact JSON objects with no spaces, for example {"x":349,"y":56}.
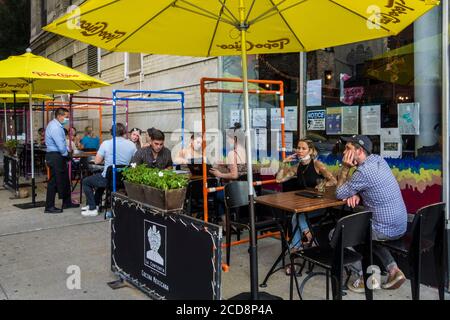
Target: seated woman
{"x":309,"y":173}
{"x":191,"y":152}
{"x":135,"y":137}
{"x":71,"y":146}
{"x":75,"y":137}
{"x":41,"y":137}
{"x":235,"y":166}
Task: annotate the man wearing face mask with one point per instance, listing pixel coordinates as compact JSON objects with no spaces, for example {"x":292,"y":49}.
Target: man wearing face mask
{"x":56,"y":159}
{"x":375,"y":186}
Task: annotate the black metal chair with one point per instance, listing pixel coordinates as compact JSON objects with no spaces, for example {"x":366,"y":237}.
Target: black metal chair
{"x":351,"y":231}
{"x":194,"y":198}
{"x":236,"y":197}
{"x":426,"y":232}
{"x":109,"y":185}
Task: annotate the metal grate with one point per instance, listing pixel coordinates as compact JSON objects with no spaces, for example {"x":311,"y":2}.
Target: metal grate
{"x":92,"y":60}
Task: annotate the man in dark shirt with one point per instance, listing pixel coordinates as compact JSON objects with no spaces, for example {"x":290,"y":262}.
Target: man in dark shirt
{"x":156,"y":155}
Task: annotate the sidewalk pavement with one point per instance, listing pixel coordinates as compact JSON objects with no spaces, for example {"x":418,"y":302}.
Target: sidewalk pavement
{"x":36,"y":250}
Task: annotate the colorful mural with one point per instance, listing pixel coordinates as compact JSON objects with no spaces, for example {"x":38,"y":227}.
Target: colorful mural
{"x":420,"y":179}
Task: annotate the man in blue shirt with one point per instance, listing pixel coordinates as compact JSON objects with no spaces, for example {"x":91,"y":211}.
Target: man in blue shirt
{"x":374,"y":184}
{"x":125,"y":150}
{"x":56,"y":159}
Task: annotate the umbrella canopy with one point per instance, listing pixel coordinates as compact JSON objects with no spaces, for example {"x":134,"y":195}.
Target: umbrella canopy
{"x":44,"y":76}
{"x":22,"y":97}
{"x":219,"y":28}
{"x":211,"y":28}
{"x":33,"y":74}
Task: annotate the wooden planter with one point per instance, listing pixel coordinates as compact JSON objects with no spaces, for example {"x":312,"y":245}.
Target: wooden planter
{"x":162,"y":199}
{"x":134,"y":191}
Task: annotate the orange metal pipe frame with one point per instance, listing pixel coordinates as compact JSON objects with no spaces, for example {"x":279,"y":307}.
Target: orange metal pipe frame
{"x":204,"y":90}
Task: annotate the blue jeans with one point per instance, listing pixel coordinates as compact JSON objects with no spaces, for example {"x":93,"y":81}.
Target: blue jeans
{"x":303,"y":226}
{"x":95,"y":182}
{"x":385,"y":256}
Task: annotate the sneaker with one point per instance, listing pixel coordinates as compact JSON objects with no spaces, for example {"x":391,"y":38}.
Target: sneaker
{"x":90,"y":213}
{"x":394,"y":281}
{"x":87,"y":208}
{"x":357,"y":286}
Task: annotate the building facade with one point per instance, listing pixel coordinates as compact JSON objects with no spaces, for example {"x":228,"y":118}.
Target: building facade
{"x":393,"y":89}
{"x":127,"y":72}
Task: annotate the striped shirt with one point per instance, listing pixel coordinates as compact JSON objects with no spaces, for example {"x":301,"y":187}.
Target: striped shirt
{"x":379,"y":190}
{"x":145,"y":155}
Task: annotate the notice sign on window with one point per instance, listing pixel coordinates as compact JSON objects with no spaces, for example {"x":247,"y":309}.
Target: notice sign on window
{"x":371,"y":120}
{"x":315,"y":120}
{"x":290,"y":114}
{"x":314,"y":93}
{"x":350,"y":120}
{"x":408,"y":118}
{"x":334,"y":120}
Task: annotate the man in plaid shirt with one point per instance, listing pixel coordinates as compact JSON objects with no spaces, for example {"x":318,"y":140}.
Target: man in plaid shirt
{"x":374,"y":184}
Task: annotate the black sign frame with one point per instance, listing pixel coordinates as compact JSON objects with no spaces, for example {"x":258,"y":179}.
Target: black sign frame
{"x":167,"y":255}
{"x":11,"y":173}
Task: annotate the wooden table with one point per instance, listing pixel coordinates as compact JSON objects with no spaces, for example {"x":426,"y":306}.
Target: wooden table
{"x":296,"y":204}
{"x":289,"y":201}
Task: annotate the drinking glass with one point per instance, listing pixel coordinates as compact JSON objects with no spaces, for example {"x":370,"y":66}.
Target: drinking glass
{"x":320,"y":185}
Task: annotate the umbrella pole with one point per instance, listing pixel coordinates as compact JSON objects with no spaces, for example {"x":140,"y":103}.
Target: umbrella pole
{"x":6,"y":122}
{"x":25,"y":133}
{"x":33,"y":186}
{"x":253,"y":245}
{"x":15,"y":114}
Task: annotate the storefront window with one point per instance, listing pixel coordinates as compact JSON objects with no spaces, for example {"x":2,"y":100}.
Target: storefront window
{"x":390,"y":90}
{"x":265,"y":109}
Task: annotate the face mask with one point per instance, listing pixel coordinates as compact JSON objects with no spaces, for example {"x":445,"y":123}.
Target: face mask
{"x":66,"y":121}
{"x":305,"y":158}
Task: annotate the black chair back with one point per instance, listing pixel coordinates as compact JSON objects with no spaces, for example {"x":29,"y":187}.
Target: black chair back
{"x":236,"y":194}
{"x":432,"y":221}
{"x":352,"y":230}
{"x":119,"y":177}
{"x":195,"y":187}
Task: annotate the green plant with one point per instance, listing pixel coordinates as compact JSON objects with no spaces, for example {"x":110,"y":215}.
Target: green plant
{"x":159,"y":179}
{"x":11,"y":144}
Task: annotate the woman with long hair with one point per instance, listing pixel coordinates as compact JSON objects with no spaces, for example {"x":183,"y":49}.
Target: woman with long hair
{"x":309,"y":173}
{"x":135,"y":137}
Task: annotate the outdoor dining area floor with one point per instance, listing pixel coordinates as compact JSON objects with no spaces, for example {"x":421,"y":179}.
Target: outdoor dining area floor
{"x":37,"y":249}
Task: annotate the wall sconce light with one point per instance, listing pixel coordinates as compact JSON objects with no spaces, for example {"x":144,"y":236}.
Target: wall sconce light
{"x":328,"y":76}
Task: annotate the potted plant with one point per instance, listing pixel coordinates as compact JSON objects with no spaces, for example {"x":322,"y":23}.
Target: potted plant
{"x":11,"y":146}
{"x":163,"y":189}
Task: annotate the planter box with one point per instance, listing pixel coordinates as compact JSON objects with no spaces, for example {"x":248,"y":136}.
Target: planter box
{"x":162,"y":199}
{"x":135,"y":191}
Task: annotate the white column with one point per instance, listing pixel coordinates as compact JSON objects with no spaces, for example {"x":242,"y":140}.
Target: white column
{"x":427,"y":79}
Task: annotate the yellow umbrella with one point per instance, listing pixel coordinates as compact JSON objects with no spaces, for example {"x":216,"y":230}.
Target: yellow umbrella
{"x":30,"y":74}
{"x":216,"y":28}
{"x":212,"y":28}
{"x":41,"y":75}
{"x":21,"y":97}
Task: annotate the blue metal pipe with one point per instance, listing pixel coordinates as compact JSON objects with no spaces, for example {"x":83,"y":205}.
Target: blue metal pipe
{"x":116,"y":98}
